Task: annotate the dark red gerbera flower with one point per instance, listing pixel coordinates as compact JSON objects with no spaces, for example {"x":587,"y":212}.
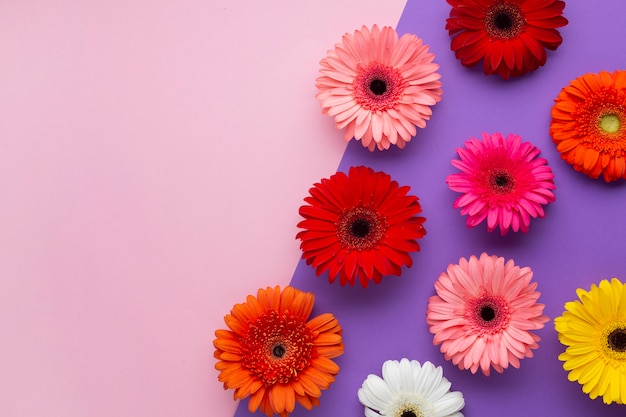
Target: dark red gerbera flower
{"x":510,"y":36}
{"x":360,"y":226}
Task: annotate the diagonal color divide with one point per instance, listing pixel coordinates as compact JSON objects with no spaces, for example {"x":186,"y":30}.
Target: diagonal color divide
{"x":579,"y":242}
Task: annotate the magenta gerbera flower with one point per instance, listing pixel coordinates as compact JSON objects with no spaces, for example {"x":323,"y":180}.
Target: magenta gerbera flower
{"x":484,"y":312}
{"x":502,"y":180}
{"x":379,"y":87}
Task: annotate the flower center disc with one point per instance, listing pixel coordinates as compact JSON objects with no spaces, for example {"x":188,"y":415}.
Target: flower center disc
{"x":504,"y":21}
{"x":617,"y":340}
{"x":610,"y":123}
{"x":488,"y":314}
{"x":360,"y":228}
{"x":277,"y":347}
{"x":279,"y":351}
{"x":502,"y":182}
{"x":378,"y":87}
{"x":411,"y":410}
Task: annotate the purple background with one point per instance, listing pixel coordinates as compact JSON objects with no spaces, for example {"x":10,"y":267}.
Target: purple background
{"x":579,"y":242}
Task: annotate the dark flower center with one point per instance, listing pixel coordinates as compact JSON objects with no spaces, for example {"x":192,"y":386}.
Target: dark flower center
{"x":504,"y":21}
{"x":378,"y":87}
{"x":502,"y":182}
{"x":408,"y":413}
{"x":279,"y":351}
{"x":487,"y":313}
{"x":617,"y":340}
{"x":360,"y":228}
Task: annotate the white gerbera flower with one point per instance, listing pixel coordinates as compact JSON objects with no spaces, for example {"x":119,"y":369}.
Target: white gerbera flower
{"x":409,"y":389}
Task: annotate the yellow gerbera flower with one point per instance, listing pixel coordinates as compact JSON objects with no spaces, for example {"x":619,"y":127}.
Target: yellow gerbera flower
{"x":594,"y":331}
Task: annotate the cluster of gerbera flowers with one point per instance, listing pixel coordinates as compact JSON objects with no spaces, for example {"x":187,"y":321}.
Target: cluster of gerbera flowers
{"x":380,"y":87}
{"x":277,"y":356}
{"x":360,"y":226}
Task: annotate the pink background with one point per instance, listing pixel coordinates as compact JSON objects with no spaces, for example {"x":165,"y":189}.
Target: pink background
{"x":153,"y":157}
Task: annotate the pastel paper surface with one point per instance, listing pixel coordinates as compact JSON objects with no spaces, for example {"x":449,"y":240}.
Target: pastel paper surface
{"x":580,"y":242}
{"x":146,"y":158}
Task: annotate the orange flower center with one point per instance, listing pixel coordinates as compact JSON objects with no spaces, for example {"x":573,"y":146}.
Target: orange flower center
{"x":360,"y":228}
{"x":488,"y":314}
{"x":378,"y":87}
{"x":277,"y":347}
{"x":504,"y":21}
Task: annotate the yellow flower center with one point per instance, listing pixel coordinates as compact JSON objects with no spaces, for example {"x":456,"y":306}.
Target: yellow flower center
{"x":610,"y":123}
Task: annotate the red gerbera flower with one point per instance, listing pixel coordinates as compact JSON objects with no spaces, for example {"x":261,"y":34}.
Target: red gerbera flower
{"x":510,"y":36}
{"x":360,"y":226}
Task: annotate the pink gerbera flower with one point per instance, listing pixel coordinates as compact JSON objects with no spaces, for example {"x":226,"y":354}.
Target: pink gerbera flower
{"x":502,"y":180}
{"x":483,"y":314}
{"x":379,"y":87}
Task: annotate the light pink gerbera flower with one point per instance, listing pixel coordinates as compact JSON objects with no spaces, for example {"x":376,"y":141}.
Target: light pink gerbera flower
{"x":502,"y":180}
{"x":379,"y":87}
{"x":483,"y":314}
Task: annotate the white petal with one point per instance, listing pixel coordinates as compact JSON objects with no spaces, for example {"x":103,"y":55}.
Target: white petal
{"x":406,"y":376}
{"x":371,"y":413}
{"x":375,"y":393}
{"x":450,"y":403}
{"x":392,"y":376}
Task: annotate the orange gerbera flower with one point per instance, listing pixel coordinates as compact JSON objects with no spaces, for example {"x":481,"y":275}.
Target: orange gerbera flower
{"x":274,"y":355}
{"x":589,"y":124}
